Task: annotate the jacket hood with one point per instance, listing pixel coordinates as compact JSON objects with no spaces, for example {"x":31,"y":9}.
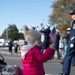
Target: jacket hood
{"x":25,"y":49}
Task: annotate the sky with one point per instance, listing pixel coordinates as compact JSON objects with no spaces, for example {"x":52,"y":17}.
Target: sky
{"x":24,"y":12}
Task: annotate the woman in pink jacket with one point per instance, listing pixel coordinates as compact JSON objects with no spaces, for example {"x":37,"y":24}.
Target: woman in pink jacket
{"x":32,"y":57}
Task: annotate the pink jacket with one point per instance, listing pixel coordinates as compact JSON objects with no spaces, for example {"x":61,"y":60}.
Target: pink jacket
{"x":33,"y":63}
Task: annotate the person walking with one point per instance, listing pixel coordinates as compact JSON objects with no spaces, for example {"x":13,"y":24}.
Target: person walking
{"x":70,"y":49}
{"x":46,"y":41}
{"x":16,"y":47}
{"x":10,"y":44}
{"x":57,"y":43}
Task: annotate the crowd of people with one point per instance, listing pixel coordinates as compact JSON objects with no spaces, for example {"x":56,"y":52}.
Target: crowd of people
{"x":33,"y":56}
{"x":11,"y":45}
{"x":60,"y":42}
{"x":39,"y":48}
{"x":59,"y":45}
{"x":65,"y":47}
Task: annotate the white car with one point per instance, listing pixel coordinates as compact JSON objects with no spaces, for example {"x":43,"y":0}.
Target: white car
{"x":1,"y":44}
{"x":6,"y":44}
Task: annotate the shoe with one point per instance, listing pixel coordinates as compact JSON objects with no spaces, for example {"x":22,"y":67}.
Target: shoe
{"x":63,"y":74}
{"x":73,"y":65}
{"x":61,"y":63}
{"x":60,"y":73}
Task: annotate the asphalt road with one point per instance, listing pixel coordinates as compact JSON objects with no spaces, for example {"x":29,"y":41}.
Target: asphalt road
{"x":52,"y":67}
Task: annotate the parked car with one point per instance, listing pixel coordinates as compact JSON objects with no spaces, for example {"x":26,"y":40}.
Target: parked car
{"x":1,"y":44}
{"x":6,"y":44}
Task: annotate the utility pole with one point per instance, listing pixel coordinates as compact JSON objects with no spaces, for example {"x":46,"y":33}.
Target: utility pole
{"x":7,"y":33}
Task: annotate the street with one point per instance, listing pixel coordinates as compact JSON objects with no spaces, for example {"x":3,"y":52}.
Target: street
{"x":52,"y":67}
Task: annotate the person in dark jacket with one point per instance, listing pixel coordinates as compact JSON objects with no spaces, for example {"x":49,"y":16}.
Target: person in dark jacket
{"x":10,"y":44}
{"x":46,"y":37}
{"x":16,"y":47}
{"x":57,"y":43}
{"x":42,"y":35}
{"x":67,"y":39}
{"x":70,"y":49}
{"x":67,"y":35}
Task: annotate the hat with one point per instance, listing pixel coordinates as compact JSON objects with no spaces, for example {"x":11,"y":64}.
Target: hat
{"x":32,"y":25}
{"x":32,"y":36}
{"x":68,"y":29}
{"x":48,"y":25}
{"x":72,"y":12}
{"x":57,"y":30}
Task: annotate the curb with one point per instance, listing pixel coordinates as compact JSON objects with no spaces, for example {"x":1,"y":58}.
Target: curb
{"x":6,"y":52}
{"x":56,"y":60}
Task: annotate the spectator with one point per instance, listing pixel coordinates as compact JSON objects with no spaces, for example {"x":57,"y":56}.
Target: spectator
{"x":32,"y":57}
{"x":10,"y":44}
{"x":16,"y":47}
{"x":66,"y":42}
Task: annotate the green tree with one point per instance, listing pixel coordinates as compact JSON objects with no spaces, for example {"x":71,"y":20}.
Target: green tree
{"x":60,"y":16}
{"x":4,"y":34}
{"x":21,"y":36}
{"x":13,"y":32}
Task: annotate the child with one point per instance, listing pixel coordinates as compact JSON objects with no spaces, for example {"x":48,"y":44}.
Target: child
{"x":64,"y":49}
{"x":32,"y":57}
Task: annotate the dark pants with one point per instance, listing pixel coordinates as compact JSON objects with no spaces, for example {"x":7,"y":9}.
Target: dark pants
{"x":10,"y":49}
{"x":57,"y":49}
{"x":68,"y":58}
{"x":16,"y":49}
{"x":72,"y":60}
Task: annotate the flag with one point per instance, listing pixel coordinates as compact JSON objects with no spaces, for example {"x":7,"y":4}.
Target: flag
{"x":52,"y":35}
